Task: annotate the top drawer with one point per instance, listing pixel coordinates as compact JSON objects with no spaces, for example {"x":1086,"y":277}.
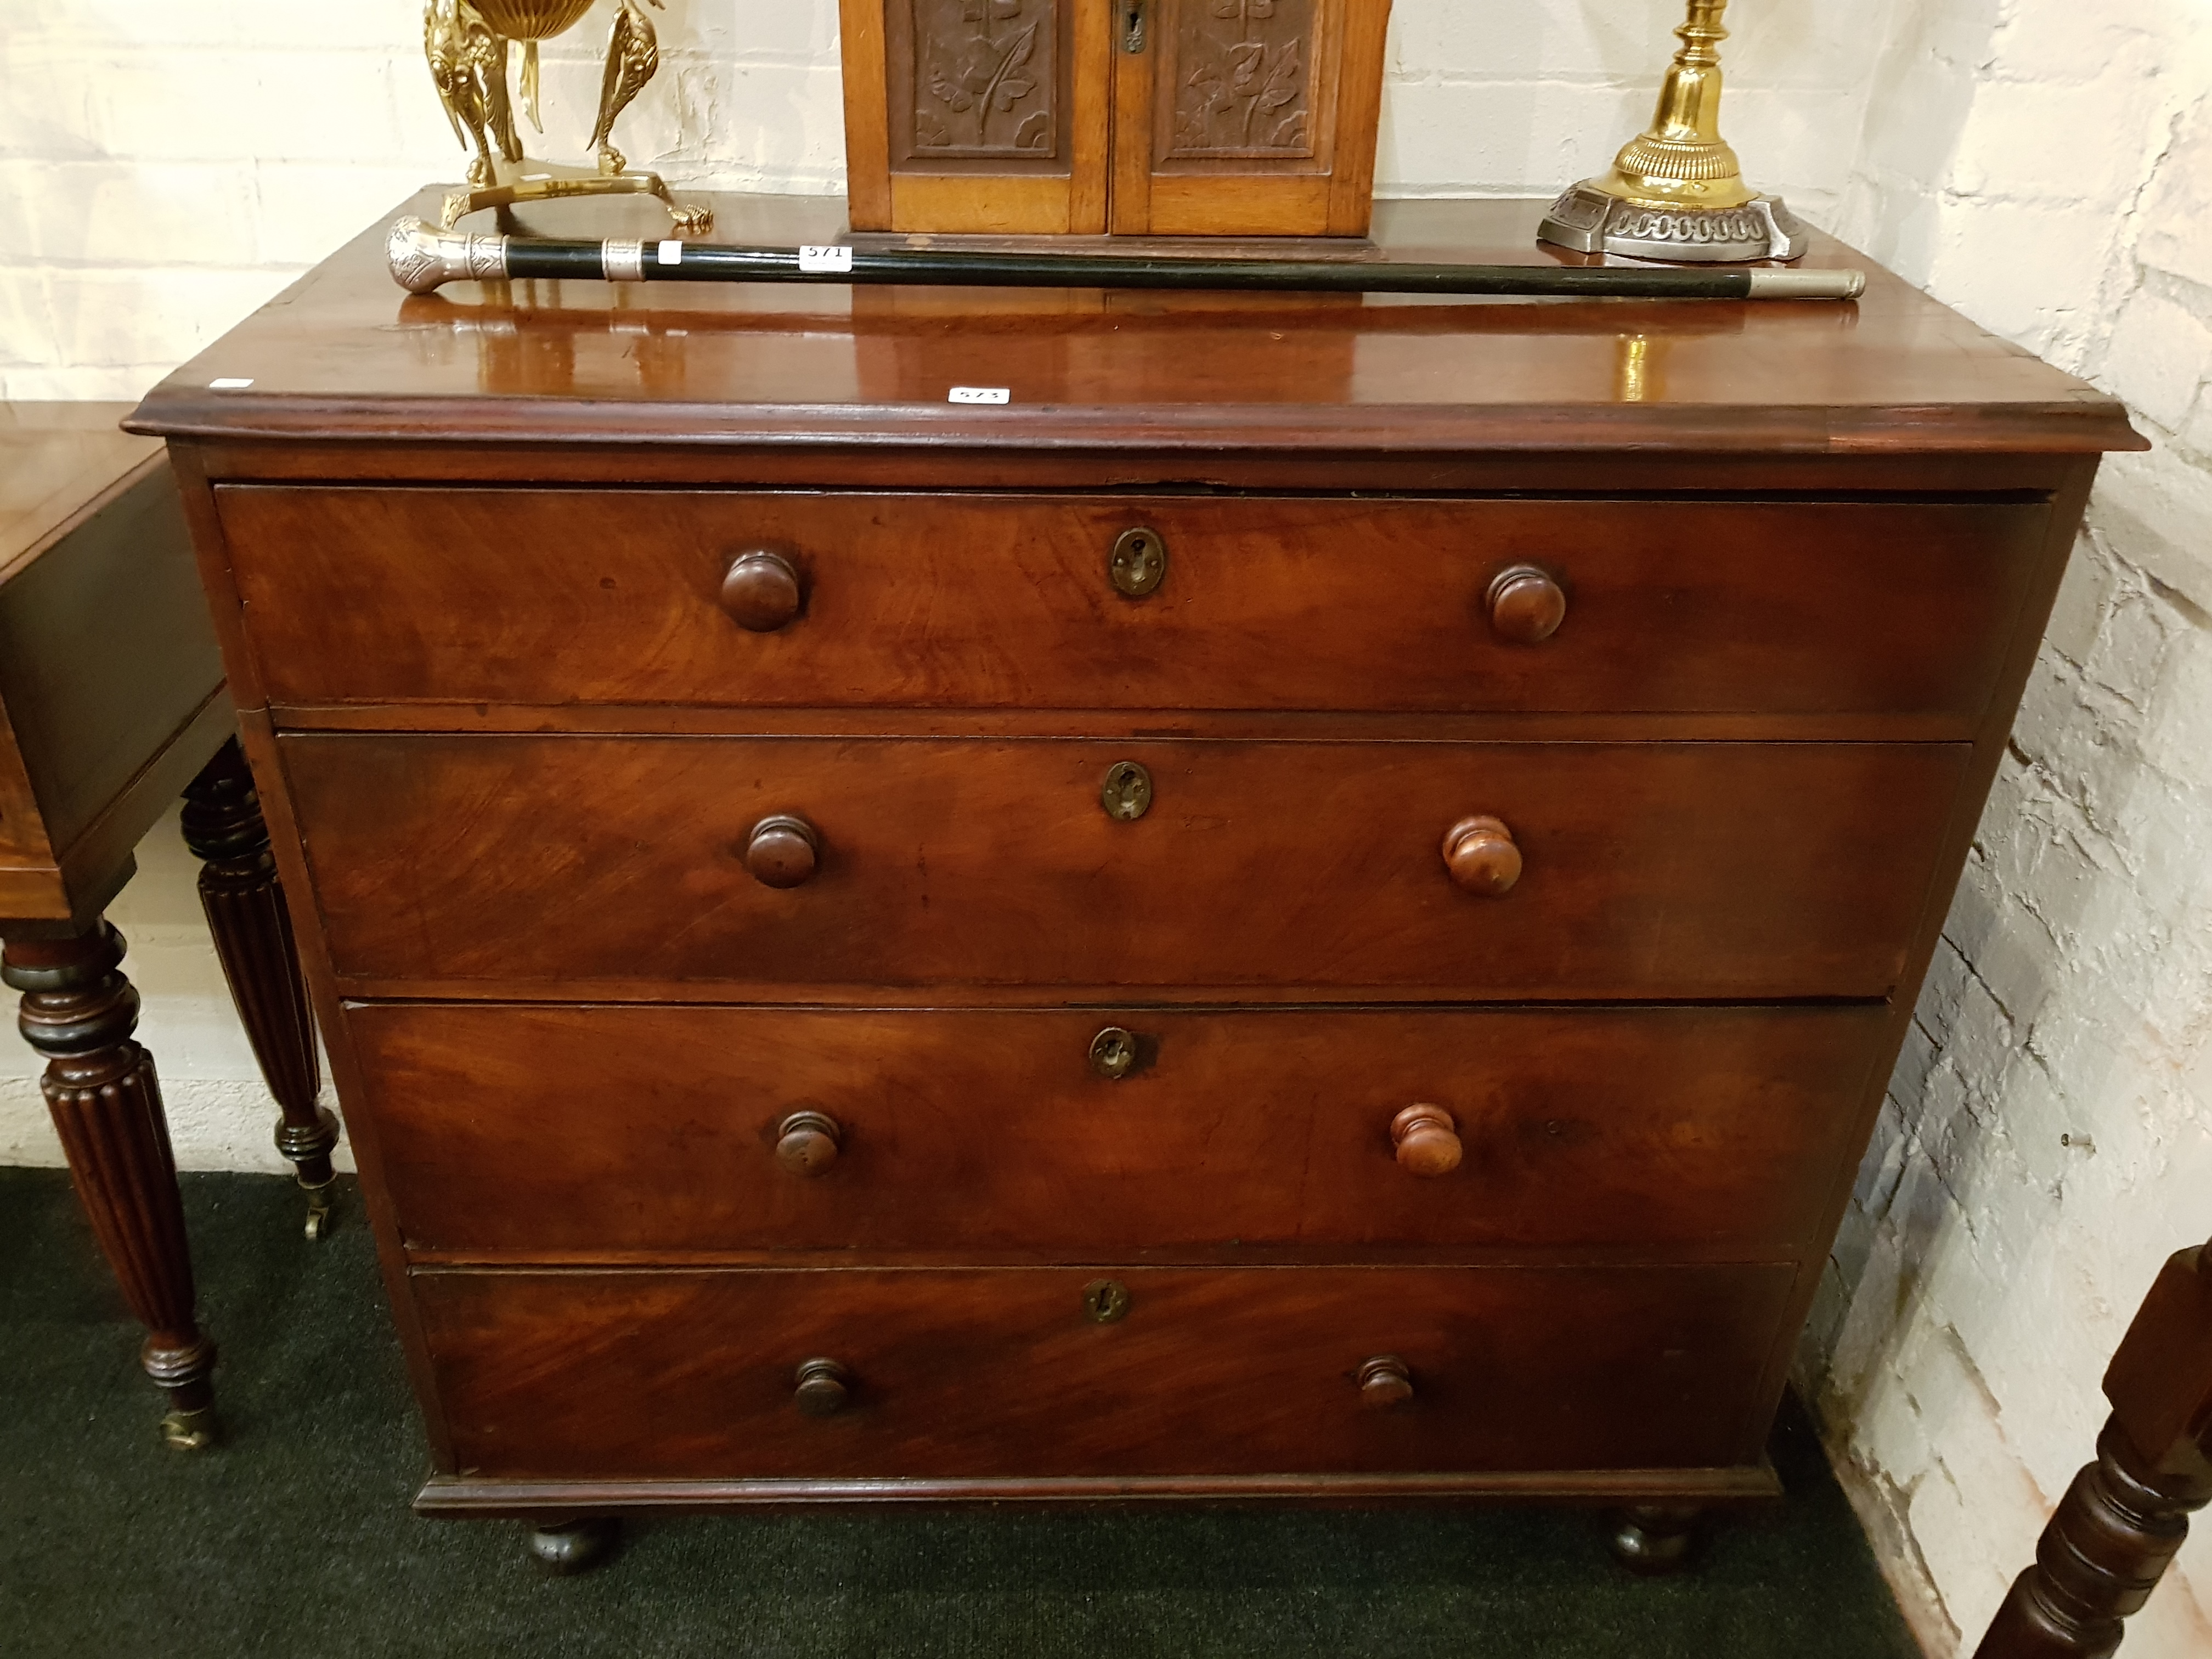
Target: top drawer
{"x":558,"y":596}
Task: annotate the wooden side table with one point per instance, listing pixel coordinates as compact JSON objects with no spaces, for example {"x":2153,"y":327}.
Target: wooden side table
{"x":111,"y":701}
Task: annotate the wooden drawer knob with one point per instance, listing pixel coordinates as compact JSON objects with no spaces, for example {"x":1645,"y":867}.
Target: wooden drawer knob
{"x":1526,"y":604}
{"x":1427,"y":1139}
{"x":806,"y":1142}
{"x":1480,"y":854}
{"x":822,"y":1391}
{"x":1384,"y":1382}
{"x":761,"y":590}
{"x":781,"y":851}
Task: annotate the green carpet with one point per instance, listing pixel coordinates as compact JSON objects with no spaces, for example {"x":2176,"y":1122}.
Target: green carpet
{"x":294,"y":1538}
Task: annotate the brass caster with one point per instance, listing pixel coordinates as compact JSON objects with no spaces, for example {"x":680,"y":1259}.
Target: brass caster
{"x":572,"y":1547}
{"x":1653,"y":1540}
{"x":187,"y":1432}
{"x":320,"y":1221}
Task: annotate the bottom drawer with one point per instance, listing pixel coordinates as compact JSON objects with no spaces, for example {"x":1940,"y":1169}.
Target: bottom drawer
{"x":1008,"y":1372}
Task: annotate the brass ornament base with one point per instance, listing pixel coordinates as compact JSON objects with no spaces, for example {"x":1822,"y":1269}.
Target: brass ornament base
{"x":1592,"y":221}
{"x":528,"y":180}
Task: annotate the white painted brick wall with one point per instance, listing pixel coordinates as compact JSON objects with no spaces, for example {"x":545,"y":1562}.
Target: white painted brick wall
{"x":2045,"y":166}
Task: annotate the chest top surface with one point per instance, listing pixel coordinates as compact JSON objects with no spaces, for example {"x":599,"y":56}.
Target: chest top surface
{"x":345,"y":354}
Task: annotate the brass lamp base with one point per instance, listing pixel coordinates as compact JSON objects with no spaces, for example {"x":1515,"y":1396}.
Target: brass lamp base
{"x":1677,"y":191}
{"x":1591,"y":220}
{"x":527,"y":180}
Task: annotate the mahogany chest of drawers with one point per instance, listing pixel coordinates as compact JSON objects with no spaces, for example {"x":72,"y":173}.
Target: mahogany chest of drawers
{"x":1318,"y":905}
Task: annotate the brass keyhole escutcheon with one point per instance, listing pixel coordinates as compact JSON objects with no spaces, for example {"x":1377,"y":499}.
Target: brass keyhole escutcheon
{"x":1126,"y":794}
{"x":1106,"y":1300}
{"x":1113,"y":1053}
{"x":1133,"y":26}
{"x":1139,"y":564}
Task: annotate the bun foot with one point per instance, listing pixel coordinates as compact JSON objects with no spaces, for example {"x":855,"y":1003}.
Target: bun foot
{"x":574,"y":1546}
{"x":1654,"y":1538}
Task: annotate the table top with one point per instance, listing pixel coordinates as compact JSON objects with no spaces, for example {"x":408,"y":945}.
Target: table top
{"x":111,"y":684}
{"x":59,"y":464}
{"x":345,"y":354}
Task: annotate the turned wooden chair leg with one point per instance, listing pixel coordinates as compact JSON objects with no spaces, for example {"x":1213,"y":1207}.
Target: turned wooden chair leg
{"x":79,"y":1012}
{"x":245,"y":906}
{"x":2124,"y":1519}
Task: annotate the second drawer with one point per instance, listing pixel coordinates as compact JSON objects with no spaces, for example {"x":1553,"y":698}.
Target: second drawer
{"x":1120,"y":1131}
{"x":1449,"y":871}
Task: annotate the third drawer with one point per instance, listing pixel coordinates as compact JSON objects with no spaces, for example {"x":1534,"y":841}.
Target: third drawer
{"x":532,"y":1130}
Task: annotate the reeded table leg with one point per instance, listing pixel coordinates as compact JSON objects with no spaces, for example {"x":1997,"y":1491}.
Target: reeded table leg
{"x":79,"y":1012}
{"x":245,"y":906}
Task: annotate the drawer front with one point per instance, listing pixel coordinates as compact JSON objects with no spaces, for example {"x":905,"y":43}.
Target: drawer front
{"x":1005,"y":1372}
{"x":1719,"y":871}
{"x":553,"y":596}
{"x":1721,"y":1129}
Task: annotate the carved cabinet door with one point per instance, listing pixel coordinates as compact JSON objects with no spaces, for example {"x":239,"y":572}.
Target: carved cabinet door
{"x":986,"y":116}
{"x":1169,"y":118}
{"x":1250,"y":118}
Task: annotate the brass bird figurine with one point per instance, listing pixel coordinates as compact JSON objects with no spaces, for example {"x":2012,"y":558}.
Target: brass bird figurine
{"x":468,"y":63}
{"x":466,"y":43}
{"x":633,"y":54}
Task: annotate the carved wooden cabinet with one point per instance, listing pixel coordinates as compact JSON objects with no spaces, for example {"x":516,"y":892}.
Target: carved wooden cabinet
{"x":1317,"y":907}
{"x":1167,"y":117}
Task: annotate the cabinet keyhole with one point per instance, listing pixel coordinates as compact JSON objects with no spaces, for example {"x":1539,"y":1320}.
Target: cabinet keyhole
{"x":1133,"y":26}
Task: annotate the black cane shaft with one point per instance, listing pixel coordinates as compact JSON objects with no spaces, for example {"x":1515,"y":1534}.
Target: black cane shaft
{"x":422,"y":259}
{"x":557,"y":260}
{"x":711,"y":263}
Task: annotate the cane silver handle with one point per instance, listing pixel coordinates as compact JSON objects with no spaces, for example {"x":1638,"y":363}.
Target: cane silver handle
{"x":422,"y":258}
